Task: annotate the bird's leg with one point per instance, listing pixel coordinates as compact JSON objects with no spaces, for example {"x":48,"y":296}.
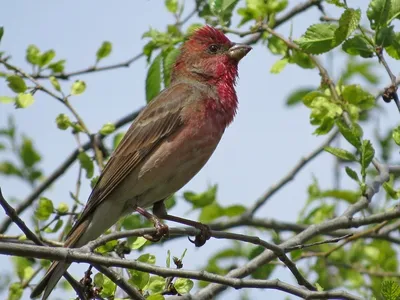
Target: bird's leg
{"x":160,"y":211}
{"x":161,"y":229}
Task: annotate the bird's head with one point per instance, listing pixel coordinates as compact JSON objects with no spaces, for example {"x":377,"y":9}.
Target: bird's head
{"x":208,"y":55}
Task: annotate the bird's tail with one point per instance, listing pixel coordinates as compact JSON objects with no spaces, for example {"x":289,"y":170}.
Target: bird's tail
{"x":57,"y":268}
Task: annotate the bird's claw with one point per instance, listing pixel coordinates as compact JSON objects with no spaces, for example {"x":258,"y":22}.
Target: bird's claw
{"x":203,"y":236}
{"x":161,"y":230}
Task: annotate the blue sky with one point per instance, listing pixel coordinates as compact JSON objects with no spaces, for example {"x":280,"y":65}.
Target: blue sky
{"x":260,"y":147}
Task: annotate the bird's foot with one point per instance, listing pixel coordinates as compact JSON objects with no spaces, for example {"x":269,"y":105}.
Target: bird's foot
{"x":161,"y":230}
{"x":203,"y":236}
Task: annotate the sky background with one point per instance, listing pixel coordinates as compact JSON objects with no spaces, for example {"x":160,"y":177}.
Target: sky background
{"x":258,"y":149}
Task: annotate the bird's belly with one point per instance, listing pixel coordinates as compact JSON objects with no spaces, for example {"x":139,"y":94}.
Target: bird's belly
{"x":171,"y":165}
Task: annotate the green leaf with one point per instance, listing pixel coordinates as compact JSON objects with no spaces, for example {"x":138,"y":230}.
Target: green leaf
{"x":396,"y":135}
{"x":358,"y":45}
{"x":57,"y":67}
{"x":155,"y":297}
{"x":390,"y":290}
{"x":172,"y":5}
{"x":63,"y":121}
{"x":98,"y":280}
{"x":15,"y":290}
{"x":139,"y":279}
{"x":86,"y":164}
{"x":278,"y":66}
{"x":346,"y":195}
{"x":107,"y":129}
{"x":183,"y":285}
{"x":352,"y":135}
{"x":109,"y":287}
{"x":234,"y":210}
{"x":1,"y":32}
{"x":211,"y":212}
{"x":28,"y":153}
{"x":78,"y":87}
{"x":348,"y":22}
{"x":341,"y":153}
{"x":366,"y":156}
{"x":319,"y":38}
{"x":356,"y":95}
{"x":55,"y":83}
{"x":24,"y":100}
{"x":62,"y":208}
{"x":117,"y":139}
{"x":46,"y":58}
{"x":301,"y":59}
{"x":277,"y":46}
{"x":138,"y":243}
{"x":394,"y":49}
{"x":16,"y":83}
{"x":44,"y":209}
{"x":153,"y":79}
{"x":6,"y":99}
{"x":296,"y":96}
{"x":201,"y":199}
{"x":390,"y":191}
{"x":32,"y":54}
{"x":378,"y":13}
{"x":215,"y":6}
{"x":337,"y":3}
{"x":104,"y":51}
{"x":156,"y":284}
{"x":385,"y":36}
{"x":8,"y":168}
{"x":168,"y":62}
{"x":352,"y":174}
{"x":147,"y":258}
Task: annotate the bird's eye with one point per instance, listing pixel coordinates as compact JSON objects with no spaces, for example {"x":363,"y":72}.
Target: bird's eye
{"x":213,"y":48}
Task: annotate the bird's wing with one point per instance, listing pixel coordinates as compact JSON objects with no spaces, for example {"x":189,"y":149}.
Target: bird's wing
{"x":160,"y":119}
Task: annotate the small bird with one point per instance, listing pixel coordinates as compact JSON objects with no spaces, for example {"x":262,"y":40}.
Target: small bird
{"x":166,"y":145}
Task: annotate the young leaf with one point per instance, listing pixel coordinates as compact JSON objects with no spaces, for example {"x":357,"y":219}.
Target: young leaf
{"x":201,"y":199}
{"x":390,"y":191}
{"x":385,"y":36}
{"x":57,"y":67}
{"x":215,"y":6}
{"x":28,"y":153}
{"x":352,"y":135}
{"x":348,"y":22}
{"x":104,"y":51}
{"x":78,"y":87}
{"x":153,"y":79}
{"x":396,"y":135}
{"x":138,"y":243}
{"x":394,"y":49}
{"x":6,"y":99}
{"x":352,"y":174}
{"x":63,"y":121}
{"x":319,"y":38}
{"x":358,"y":45}
{"x":172,"y":5}
{"x":390,"y":290}
{"x":44,"y":209}
{"x":32,"y":54}
{"x":366,"y":156}
{"x":278,"y":66}
{"x":155,"y":297}
{"x":183,"y":285}
{"x":87,"y":164}
{"x":46,"y":58}
{"x":378,"y":13}
{"x":168,"y":63}
{"x":107,"y":129}
{"x":296,"y":96}
{"x":139,"y":279}
{"x":1,"y":32}
{"x":16,"y":83}
{"x":24,"y":100}
{"x":337,"y":3}
{"x":55,"y":83}
{"x":341,"y":153}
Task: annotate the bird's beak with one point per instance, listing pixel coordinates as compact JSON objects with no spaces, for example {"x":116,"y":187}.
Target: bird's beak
{"x":238,"y":51}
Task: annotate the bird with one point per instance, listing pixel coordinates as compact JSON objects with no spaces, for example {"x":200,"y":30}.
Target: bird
{"x":166,"y":145}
